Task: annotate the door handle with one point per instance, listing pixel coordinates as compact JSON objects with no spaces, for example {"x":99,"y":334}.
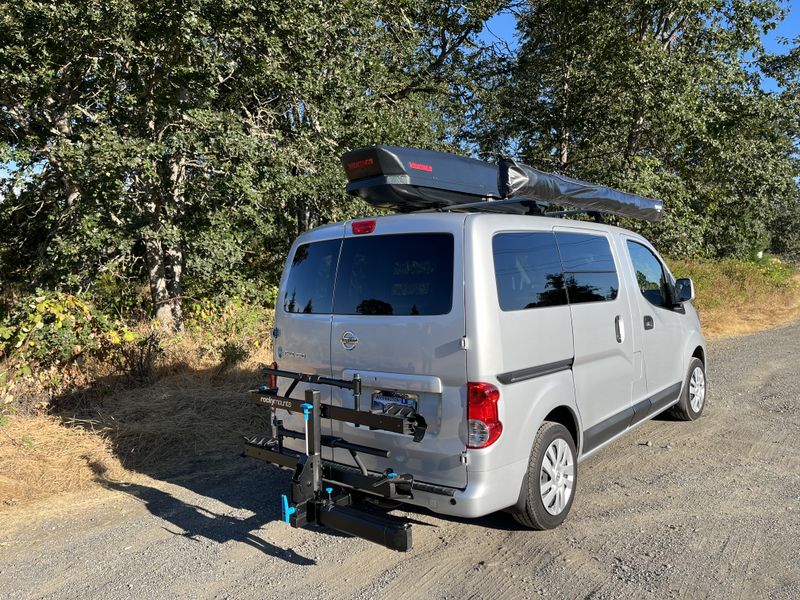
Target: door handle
{"x":619,"y":327}
{"x":648,"y":322}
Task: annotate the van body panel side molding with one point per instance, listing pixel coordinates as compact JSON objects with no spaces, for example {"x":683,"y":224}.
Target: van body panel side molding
{"x":599,"y":434}
{"x":665,"y":397}
{"x":532,"y":372}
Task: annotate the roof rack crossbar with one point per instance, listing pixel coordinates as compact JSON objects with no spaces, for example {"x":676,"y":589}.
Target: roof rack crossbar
{"x":532,"y":207}
{"x":595,"y":214}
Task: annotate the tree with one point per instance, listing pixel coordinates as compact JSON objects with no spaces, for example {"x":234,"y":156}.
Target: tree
{"x":189,"y":142}
{"x":662,"y":98}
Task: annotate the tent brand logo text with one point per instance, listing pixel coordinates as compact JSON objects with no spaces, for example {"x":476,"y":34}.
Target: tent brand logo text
{"x":367,"y":162}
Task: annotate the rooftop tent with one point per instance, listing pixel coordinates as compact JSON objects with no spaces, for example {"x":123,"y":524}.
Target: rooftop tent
{"x":408,"y":179}
{"x":516,"y":180}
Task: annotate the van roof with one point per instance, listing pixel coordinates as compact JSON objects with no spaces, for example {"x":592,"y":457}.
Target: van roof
{"x":503,"y":220}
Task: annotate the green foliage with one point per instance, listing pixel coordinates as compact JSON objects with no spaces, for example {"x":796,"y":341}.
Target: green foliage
{"x":138,"y":358}
{"x":185,"y":146}
{"x":232,"y":353}
{"x":660,"y":98}
{"x":235,"y":319}
{"x":50,"y":330}
{"x":160,"y":158}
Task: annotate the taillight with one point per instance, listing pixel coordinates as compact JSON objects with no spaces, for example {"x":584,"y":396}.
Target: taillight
{"x":361,"y":227}
{"x":272,"y":381}
{"x":483,"y":420}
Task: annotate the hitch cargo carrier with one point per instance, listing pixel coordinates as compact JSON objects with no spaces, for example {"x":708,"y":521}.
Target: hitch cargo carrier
{"x":326,"y":493}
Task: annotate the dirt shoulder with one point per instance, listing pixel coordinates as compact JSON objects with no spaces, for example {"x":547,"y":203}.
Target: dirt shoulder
{"x":708,"y":509}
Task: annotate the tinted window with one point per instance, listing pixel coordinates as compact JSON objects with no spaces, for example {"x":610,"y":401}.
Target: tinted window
{"x":527,"y":270}
{"x":589,"y":271}
{"x":309,"y":288}
{"x":409,"y":274}
{"x":650,"y":275}
{"x":591,"y":287}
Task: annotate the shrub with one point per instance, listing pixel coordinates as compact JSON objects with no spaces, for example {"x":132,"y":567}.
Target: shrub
{"x":46,"y":333}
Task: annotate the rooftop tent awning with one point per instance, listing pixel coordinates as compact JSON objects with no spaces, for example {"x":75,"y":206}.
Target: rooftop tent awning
{"x":408,"y":179}
{"x":516,"y":180}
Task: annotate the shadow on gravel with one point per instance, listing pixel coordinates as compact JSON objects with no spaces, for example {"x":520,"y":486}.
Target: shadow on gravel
{"x":195,"y":521}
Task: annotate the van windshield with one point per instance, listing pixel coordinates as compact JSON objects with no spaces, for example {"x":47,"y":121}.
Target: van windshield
{"x":405,"y":274}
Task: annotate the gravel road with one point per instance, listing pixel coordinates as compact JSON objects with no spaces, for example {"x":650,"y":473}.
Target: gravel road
{"x":705,"y":509}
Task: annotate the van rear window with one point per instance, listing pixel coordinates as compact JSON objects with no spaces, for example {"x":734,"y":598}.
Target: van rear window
{"x":309,"y":288}
{"x":404,"y":274}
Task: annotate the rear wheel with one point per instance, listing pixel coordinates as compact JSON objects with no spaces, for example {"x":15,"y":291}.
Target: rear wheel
{"x":693,"y":396}
{"x":550,"y":483}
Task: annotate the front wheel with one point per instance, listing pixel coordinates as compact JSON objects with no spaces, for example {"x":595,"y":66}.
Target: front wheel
{"x":550,"y":484}
{"x":693,"y":396}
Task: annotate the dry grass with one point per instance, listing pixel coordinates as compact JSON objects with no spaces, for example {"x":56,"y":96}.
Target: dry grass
{"x":194,"y":405}
{"x":737,"y":298}
{"x":40,"y":457}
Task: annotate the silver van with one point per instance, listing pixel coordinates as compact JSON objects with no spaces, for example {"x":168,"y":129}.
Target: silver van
{"x":523,"y":343}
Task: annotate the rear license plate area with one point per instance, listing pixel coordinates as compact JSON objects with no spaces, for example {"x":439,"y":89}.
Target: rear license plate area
{"x":393,"y":402}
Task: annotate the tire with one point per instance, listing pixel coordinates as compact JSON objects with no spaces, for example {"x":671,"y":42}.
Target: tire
{"x":694,"y":394}
{"x":538,"y":500}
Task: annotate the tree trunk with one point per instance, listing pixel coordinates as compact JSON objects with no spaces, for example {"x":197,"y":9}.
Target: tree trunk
{"x":635,"y":134}
{"x":162,"y":307}
{"x":563,"y":145}
{"x":173,"y":258}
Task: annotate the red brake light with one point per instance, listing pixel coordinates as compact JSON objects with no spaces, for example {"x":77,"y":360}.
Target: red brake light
{"x":272,"y":382}
{"x":360,"y":227}
{"x":483,"y":421}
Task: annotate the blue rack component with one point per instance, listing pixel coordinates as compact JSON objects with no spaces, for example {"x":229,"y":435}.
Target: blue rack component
{"x":286,"y":510}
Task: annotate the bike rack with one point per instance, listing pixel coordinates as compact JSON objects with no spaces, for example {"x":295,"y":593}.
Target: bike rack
{"x":323,"y":492}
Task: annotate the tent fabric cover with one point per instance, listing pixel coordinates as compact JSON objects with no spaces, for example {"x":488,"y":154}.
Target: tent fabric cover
{"x":516,"y":180}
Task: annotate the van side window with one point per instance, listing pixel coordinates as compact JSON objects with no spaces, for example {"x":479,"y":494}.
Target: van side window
{"x":650,"y":275}
{"x":309,"y":288}
{"x":589,"y":271}
{"x":527,"y":270}
{"x":403,"y":274}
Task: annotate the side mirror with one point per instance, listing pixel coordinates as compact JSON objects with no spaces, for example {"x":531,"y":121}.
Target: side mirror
{"x":684,"y":290}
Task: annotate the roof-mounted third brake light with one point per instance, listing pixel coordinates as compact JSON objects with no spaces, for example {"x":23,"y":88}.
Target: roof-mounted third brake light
{"x":362,"y":227}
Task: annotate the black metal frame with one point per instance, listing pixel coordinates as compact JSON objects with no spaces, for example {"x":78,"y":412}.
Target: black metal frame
{"x":323,"y":492}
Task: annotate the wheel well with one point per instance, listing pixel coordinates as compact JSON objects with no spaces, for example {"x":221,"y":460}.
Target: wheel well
{"x":698,"y":353}
{"x":564,"y":416}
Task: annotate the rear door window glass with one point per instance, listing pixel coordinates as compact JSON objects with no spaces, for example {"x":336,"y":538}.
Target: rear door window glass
{"x":527,"y":270}
{"x":309,"y":287}
{"x":405,"y":274}
{"x":650,"y":275}
{"x":589,"y":271}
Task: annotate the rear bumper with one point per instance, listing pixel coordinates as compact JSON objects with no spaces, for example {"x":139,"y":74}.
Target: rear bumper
{"x":486,"y":492}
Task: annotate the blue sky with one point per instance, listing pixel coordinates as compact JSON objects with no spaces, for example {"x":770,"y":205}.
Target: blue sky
{"x":501,"y":27}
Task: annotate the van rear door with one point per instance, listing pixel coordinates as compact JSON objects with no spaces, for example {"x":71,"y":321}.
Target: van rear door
{"x":303,"y":318}
{"x":398,"y":321}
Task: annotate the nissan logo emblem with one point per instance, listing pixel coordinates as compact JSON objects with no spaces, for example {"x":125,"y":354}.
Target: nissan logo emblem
{"x":349,"y":340}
